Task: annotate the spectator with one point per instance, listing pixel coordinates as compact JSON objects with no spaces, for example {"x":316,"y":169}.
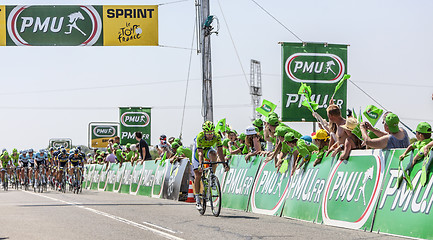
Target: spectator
{"x":233,"y":144}
{"x":110,"y":158}
{"x":351,"y":142}
{"x":133,"y":154}
{"x":300,"y":148}
{"x":423,"y":135}
{"x":270,"y":124}
{"x":161,"y":145}
{"x":394,"y":137}
{"x":242,"y":146}
{"x":143,"y":147}
{"x":252,"y":143}
{"x":321,"y":139}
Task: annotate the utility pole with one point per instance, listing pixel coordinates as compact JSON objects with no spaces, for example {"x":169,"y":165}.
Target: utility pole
{"x":255,"y":86}
{"x":206,"y":29}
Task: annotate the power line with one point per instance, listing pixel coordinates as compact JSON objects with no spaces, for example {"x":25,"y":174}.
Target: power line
{"x":233,"y":42}
{"x":397,"y":84}
{"x":184,"y":48}
{"x":167,"y":3}
{"x":278,"y":21}
{"x":111,"y":86}
{"x":379,"y":104}
{"x":20,"y":108}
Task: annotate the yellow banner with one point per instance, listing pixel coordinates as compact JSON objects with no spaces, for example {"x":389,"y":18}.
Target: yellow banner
{"x":2,"y":26}
{"x":100,"y":142}
{"x":130,"y":25}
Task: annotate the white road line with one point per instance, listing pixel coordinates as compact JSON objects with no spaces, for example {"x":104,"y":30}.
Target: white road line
{"x":119,"y":219}
{"x":159,"y":227}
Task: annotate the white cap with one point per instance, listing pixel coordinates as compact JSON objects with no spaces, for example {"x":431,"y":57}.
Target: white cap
{"x":250,"y":131}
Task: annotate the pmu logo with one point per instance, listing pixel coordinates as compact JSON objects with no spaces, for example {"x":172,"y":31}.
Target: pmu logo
{"x":314,"y":67}
{"x":372,"y":114}
{"x":54,"y":25}
{"x":135,"y":119}
{"x":104,"y":131}
{"x":351,"y":191}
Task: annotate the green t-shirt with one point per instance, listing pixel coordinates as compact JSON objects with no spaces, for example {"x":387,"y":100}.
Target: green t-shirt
{"x":120,"y":155}
{"x":130,"y":155}
{"x":419,"y":145}
{"x":305,"y":148}
{"x":185,"y":151}
{"x":285,"y":148}
{"x":202,"y":143}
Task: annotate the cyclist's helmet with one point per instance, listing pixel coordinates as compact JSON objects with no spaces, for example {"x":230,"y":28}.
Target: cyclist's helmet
{"x":79,"y":148}
{"x":89,"y":155}
{"x":51,"y":149}
{"x":64,"y":151}
{"x":31,"y":150}
{"x":208,"y":126}
{"x":76,"y":151}
{"x":41,"y":150}
{"x":24,"y":151}
{"x":4,"y":150}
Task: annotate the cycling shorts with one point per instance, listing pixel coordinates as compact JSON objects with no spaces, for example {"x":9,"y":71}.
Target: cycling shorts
{"x":62,"y":164}
{"x":206,"y":154}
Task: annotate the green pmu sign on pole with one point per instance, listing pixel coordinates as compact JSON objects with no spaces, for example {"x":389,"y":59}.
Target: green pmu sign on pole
{"x":133,"y":119}
{"x":61,"y":142}
{"x":321,"y":66}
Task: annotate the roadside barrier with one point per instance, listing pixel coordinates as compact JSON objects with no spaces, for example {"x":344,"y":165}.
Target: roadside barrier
{"x":360,"y":193}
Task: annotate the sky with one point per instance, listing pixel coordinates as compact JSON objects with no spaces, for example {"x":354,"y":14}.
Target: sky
{"x":55,"y":92}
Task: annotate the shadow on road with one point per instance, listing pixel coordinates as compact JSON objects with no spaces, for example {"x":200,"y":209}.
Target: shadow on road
{"x":101,"y":204}
{"x":234,"y":217}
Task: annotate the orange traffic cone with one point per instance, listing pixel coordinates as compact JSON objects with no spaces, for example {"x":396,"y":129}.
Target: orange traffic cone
{"x":190,"y":198}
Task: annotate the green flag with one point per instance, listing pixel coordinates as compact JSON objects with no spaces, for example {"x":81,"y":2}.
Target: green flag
{"x":340,"y":83}
{"x":306,"y":91}
{"x":373,"y":114}
{"x":221,"y":126}
{"x":266,"y":108}
{"x":164,"y":157}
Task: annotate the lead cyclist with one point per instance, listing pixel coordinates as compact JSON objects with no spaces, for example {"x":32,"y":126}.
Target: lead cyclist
{"x":203,"y":149}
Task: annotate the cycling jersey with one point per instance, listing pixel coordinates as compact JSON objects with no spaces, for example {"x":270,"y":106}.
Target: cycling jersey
{"x":5,"y":159}
{"x":41,"y":158}
{"x":202,"y":143}
{"x":63,"y":157}
{"x":15,"y":159}
{"x":75,"y":159}
{"x":24,"y":158}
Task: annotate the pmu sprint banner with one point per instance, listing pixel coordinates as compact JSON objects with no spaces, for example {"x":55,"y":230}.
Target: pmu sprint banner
{"x":61,"y":25}
{"x":319,"y":66}
{"x":133,"y":119}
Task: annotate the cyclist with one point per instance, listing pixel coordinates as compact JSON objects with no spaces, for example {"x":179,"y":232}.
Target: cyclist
{"x":40,"y":160}
{"x":75,"y":159}
{"x":62,"y":159}
{"x":204,"y":143}
{"x":24,"y":163}
{"x":31,"y":158}
{"x":6,"y":161}
{"x":14,"y":160}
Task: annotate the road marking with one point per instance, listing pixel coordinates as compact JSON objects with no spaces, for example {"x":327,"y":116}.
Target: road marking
{"x":119,"y":219}
{"x":159,"y":227}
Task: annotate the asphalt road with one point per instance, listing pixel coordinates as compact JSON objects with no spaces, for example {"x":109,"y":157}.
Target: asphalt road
{"x":106,"y":215}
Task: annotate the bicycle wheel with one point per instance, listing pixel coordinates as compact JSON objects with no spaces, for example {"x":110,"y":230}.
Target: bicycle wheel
{"x":215,"y":196}
{"x":203,"y":196}
{"x":6,"y":183}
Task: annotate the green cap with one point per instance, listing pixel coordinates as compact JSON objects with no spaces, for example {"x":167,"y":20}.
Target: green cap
{"x":242,"y":136}
{"x":289,"y":137}
{"x":128,"y":145}
{"x":115,"y":145}
{"x":176,"y":140}
{"x":273,"y":114}
{"x":272,"y":120}
{"x":423,"y":127}
{"x":392,"y":121}
{"x":109,"y":150}
{"x":98,"y":151}
{"x":14,"y":150}
{"x":280,"y":131}
{"x":226,"y":142}
{"x":175,"y":145}
{"x":258,"y":122}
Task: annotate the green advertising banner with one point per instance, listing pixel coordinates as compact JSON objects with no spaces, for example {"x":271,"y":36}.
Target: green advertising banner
{"x":306,"y":190}
{"x":135,"y":180}
{"x":100,"y":133}
{"x":147,"y":178}
{"x":60,"y":142}
{"x":111,"y":177}
{"x":158,"y":183}
{"x":95,"y":178}
{"x":239,"y":182}
{"x":103,"y":175}
{"x":320,"y":66}
{"x":119,"y":177}
{"x":352,"y":190}
{"x":127,"y":178}
{"x":133,"y":119}
{"x":79,"y":25}
{"x":88,"y":171}
{"x":269,"y":190}
{"x":403,"y":211}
